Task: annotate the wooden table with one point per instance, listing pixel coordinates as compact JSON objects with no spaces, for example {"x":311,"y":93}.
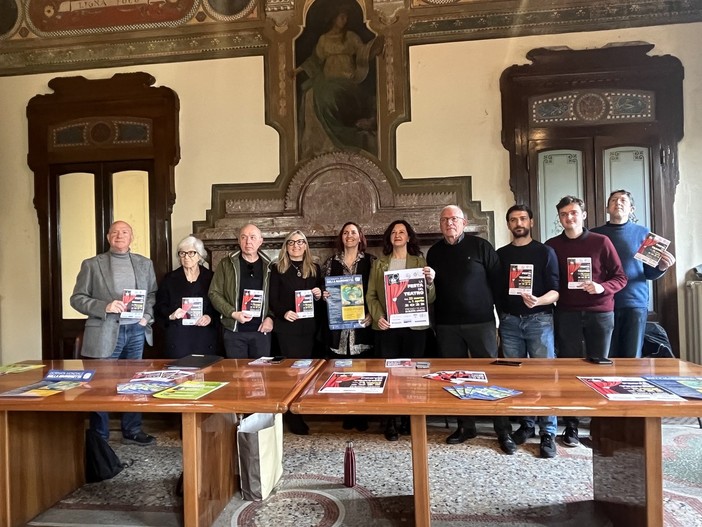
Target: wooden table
{"x":42,"y":439}
{"x":627,"y":464}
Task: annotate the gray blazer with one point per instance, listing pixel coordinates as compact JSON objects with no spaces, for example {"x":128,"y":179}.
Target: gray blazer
{"x":95,"y":289}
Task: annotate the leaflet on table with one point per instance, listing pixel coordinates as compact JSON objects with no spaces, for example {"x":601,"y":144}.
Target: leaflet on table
{"x":252,"y":302}
{"x":652,"y":249}
{"x":399,"y":363}
{"x":302,"y":363}
{"x":482,"y":393}
{"x":41,"y":389}
{"x":406,"y":301}
{"x":18,"y":368}
{"x":355,"y":382}
{"x":56,"y":381}
{"x":190,"y":390}
{"x":345,"y":304}
{"x":193,"y":307}
{"x":146,"y":382}
{"x":687,"y":387}
{"x":579,"y":272}
{"x":457,"y":376}
{"x":304,"y":303}
{"x":263,"y":361}
{"x":628,"y":389}
{"x":134,"y":301}
{"x":521,"y":278}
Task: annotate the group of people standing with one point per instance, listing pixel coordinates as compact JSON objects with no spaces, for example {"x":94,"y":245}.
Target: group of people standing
{"x":467,"y":282}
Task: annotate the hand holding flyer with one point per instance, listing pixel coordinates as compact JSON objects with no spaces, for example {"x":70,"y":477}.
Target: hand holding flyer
{"x":193,"y":307}
{"x":652,"y":249}
{"x":134,"y":301}
{"x":579,"y":272}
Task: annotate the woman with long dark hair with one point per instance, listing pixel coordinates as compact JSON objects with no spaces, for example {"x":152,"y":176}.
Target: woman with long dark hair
{"x":351,"y":259}
{"x":400,"y":251}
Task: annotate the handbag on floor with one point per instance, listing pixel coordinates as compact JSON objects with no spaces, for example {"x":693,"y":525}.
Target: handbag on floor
{"x":260,"y":442}
{"x":101,"y":462}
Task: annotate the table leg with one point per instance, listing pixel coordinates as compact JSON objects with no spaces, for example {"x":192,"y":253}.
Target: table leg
{"x":628,"y":469}
{"x":209,"y":466}
{"x":41,"y":461}
{"x":420,"y":471}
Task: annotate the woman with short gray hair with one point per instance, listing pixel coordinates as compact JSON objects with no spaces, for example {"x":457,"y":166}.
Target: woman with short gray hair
{"x":183,"y":307}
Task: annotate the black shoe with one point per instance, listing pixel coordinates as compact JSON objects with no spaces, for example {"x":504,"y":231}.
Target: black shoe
{"x":362,"y":424}
{"x":348,"y":423}
{"x":405,"y":429}
{"x":570,"y":437}
{"x":547,"y":449}
{"x":141,"y":438}
{"x":506,"y":444}
{"x":391,"y":432}
{"x":296,"y":424}
{"x":522,"y":434}
{"x":460,"y":435}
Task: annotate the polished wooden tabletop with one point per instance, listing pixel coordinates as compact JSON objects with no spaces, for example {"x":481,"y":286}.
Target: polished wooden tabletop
{"x":549,"y":386}
{"x":266,"y":388}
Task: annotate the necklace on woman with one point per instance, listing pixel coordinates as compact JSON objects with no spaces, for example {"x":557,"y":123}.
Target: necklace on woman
{"x":299,"y":273}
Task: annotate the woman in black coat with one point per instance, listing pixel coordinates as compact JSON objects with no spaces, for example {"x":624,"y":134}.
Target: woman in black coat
{"x":188,"y":330}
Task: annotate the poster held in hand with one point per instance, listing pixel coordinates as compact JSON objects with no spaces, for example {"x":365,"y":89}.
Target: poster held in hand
{"x":260,"y":442}
{"x":345,"y":304}
{"x":406,"y":302}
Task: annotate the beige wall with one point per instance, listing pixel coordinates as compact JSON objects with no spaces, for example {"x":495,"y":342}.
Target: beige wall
{"x":455,"y":130}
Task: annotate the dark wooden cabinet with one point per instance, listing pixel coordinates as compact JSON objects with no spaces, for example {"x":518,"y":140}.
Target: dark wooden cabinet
{"x":99,"y":131}
{"x":589,"y":122}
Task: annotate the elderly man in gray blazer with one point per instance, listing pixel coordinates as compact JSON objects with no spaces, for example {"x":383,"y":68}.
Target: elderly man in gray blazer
{"x":99,"y":294}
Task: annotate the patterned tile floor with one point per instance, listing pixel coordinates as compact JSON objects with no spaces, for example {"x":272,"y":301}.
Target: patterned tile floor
{"x":472,"y":485}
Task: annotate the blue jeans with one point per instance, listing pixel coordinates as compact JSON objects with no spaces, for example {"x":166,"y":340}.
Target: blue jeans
{"x":628,"y":334}
{"x":130,"y":345}
{"x":529,"y":336}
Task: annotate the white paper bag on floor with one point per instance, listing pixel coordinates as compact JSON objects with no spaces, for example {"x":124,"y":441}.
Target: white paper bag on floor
{"x":260,"y":441}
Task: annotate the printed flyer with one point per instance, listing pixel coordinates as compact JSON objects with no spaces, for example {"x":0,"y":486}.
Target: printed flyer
{"x":406,"y":301}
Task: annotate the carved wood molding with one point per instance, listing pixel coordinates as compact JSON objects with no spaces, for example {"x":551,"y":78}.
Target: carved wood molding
{"x":329,"y":190}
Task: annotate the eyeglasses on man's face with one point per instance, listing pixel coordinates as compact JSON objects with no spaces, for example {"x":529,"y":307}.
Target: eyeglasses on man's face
{"x":189,"y":254}
{"x":299,"y":243}
{"x":453,"y":219}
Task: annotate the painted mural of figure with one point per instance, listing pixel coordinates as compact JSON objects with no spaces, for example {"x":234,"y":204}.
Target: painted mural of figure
{"x":336,"y":113}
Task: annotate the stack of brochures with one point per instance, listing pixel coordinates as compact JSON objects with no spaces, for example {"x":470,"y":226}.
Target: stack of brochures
{"x":148,"y":382}
{"x":457,"y":376}
{"x":56,"y":381}
{"x":481,"y":393}
{"x":687,"y":387}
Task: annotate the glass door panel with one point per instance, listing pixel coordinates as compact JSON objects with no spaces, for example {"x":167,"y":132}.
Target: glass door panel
{"x":77,"y":231}
{"x":628,"y":167}
{"x":130,"y":203}
{"x":560,"y":173}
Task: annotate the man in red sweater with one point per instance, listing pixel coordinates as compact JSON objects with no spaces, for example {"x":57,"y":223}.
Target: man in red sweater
{"x":585,"y":311}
